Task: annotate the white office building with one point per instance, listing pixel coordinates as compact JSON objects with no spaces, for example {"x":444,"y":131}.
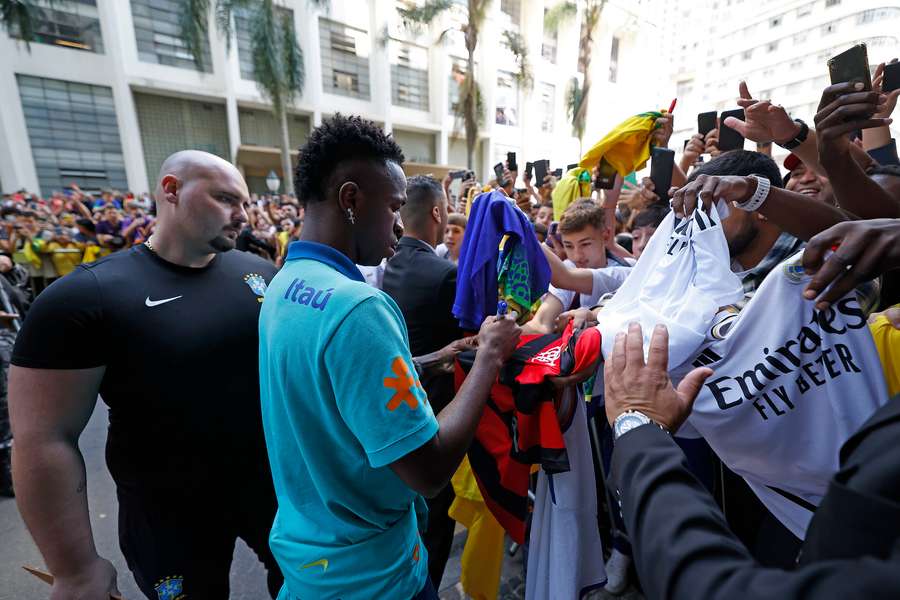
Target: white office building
{"x":109,"y":89}
{"x":780,"y":47}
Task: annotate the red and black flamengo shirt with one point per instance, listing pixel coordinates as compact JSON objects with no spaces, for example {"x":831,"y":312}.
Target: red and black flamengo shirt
{"x":519,"y":426}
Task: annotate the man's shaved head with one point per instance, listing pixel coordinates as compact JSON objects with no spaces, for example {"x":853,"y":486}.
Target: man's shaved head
{"x":187,"y":164}
{"x":200,"y":195}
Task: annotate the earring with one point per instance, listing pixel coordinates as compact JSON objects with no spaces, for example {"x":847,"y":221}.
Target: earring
{"x":350,"y":216}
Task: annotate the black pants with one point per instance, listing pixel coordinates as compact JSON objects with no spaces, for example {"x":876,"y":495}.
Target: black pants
{"x":180,"y":543}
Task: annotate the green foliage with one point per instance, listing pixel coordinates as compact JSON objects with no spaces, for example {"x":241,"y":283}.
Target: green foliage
{"x":417,"y":17}
{"x":18,"y":18}
{"x":524,"y":76}
{"x":574,"y":98}
{"x":464,"y":90}
{"x":559,"y":14}
{"x":194,"y":26}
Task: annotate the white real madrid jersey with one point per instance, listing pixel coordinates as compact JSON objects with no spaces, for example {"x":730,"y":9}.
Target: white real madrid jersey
{"x":790,"y":385}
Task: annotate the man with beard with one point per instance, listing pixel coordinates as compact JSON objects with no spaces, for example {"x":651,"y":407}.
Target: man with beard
{"x":166,"y":332}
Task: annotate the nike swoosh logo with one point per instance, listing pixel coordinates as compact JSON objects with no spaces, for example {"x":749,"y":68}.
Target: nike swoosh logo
{"x":319,"y":563}
{"x":152,"y":303}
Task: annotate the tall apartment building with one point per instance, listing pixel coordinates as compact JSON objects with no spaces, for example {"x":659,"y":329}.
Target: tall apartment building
{"x":109,"y":89}
{"x":779,"y":47}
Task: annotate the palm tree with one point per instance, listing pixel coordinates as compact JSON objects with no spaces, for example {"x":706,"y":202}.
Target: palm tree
{"x":469,"y":96}
{"x":578,"y":94}
{"x":277,"y":57}
{"x":18,"y":16}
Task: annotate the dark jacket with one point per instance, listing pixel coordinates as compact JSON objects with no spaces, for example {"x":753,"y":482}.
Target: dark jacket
{"x":424,"y":287}
{"x":684,"y":549}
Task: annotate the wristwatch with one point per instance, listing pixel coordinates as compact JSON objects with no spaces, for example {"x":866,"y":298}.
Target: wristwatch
{"x":629,"y":420}
{"x":799,"y":138}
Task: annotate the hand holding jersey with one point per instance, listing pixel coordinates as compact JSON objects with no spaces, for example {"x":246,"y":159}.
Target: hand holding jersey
{"x":768,"y":379}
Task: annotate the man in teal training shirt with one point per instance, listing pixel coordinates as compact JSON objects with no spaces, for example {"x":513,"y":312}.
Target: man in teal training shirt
{"x":352,"y":439}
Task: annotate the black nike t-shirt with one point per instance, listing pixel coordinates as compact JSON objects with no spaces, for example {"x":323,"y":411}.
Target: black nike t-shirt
{"x":180,"y":347}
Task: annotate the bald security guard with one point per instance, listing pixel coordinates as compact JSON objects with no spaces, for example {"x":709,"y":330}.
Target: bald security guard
{"x":166,"y":334}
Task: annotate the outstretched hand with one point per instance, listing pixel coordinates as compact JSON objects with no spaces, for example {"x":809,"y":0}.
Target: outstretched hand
{"x":632,"y":384}
{"x":763,"y":121}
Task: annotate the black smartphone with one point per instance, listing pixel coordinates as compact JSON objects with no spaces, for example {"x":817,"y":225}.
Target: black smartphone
{"x":511,"y":163}
{"x":706,"y":122}
{"x":469,"y":175}
{"x":498,"y":170}
{"x":529,"y":169}
{"x":457,"y":174}
{"x":851,"y":65}
{"x":570,"y":167}
{"x":606,"y":176}
{"x":730,"y":139}
{"x":662,"y":162}
{"x":891,"y":77}
{"x":558,"y":173}
{"x":541,"y":167}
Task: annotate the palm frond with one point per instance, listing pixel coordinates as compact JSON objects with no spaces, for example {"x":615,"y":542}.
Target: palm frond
{"x":467,"y":87}
{"x":292,"y":59}
{"x":194,"y":26}
{"x":17,"y":16}
{"x":224,"y":12}
{"x":574,"y":98}
{"x":421,"y":15}
{"x":560,"y":13}
{"x":266,"y":54}
{"x":523,"y":76}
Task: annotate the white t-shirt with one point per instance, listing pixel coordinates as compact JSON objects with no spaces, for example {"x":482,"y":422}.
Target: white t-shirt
{"x":790,"y":385}
{"x":606,"y":280}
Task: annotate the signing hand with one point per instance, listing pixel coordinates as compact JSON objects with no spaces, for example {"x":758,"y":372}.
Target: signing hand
{"x":633,"y":385}
{"x":866,"y":249}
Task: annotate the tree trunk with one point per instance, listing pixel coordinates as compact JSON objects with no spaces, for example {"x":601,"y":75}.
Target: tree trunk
{"x":287,"y":176}
{"x":470,"y":108}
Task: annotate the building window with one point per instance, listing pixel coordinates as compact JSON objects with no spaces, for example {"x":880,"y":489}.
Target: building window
{"x":158,"y":34}
{"x":67,"y":24}
{"x":800,"y":38}
{"x":548,"y":102}
{"x":243,"y":21}
{"x":548,"y":45}
{"x":829,"y":28}
{"x":747,"y":54}
{"x":614,"y":60}
{"x":409,"y":75}
{"x":513,"y":9}
{"x":775,"y":21}
{"x":417,"y":147}
{"x":877,"y":14}
{"x":805,"y":10}
{"x":169,"y":124}
{"x":797,"y":64}
{"x":457,"y":77}
{"x":507,"y":111}
{"x":830,"y":3}
{"x":74,"y":134}
{"x":260,"y":128}
{"x":345,"y":59}
{"x":772,"y":46}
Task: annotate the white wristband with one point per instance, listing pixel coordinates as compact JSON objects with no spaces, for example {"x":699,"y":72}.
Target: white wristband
{"x":763,"y":186}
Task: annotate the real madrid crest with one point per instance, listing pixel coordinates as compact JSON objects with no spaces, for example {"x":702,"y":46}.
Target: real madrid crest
{"x":256,"y":283}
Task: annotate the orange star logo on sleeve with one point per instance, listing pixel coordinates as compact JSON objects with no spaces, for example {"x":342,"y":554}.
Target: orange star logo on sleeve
{"x":403,"y":385}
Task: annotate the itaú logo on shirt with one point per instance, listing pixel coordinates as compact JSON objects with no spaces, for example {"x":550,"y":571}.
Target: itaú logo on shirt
{"x":300,"y":293}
